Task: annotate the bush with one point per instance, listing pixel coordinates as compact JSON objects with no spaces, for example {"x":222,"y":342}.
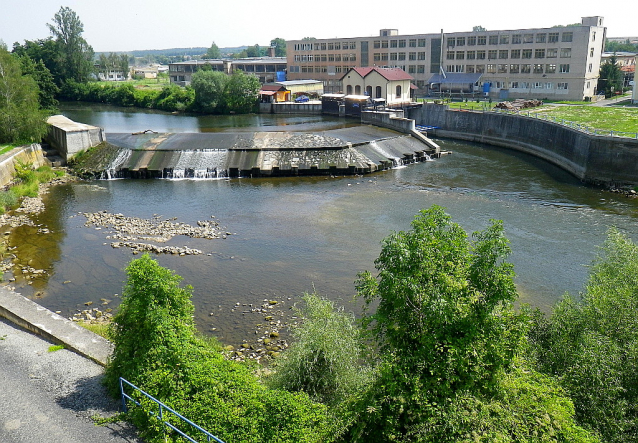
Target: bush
{"x":324,"y":359}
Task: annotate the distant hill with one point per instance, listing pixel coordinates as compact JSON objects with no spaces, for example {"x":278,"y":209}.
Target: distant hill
{"x":175,"y":52}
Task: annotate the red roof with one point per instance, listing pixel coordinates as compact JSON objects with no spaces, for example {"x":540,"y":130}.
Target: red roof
{"x":272,"y":88}
{"x":387,"y":73}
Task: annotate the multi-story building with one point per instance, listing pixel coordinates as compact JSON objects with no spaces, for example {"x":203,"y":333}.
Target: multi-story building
{"x":560,"y":62}
{"x":267,"y":69}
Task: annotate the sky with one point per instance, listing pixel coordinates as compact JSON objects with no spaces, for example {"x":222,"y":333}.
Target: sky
{"x":126,"y":25}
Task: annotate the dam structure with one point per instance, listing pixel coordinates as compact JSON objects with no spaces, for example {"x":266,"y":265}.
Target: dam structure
{"x":353,"y":150}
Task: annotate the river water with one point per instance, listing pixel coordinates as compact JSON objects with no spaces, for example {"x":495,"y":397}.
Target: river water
{"x":294,"y":235}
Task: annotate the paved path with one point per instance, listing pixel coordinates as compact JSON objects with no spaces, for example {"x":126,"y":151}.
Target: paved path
{"x":51,"y":396}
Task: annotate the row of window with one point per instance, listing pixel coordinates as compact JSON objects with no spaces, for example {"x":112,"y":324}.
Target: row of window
{"x":401,"y":43}
{"x":510,"y":69}
{"x":493,"y":54}
{"x":516,"y":39}
{"x":382,"y":56}
{"x":325,"y":57}
{"x":325,"y":46}
{"x":531,"y":85}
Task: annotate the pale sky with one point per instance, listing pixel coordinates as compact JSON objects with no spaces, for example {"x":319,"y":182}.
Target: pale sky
{"x":125,"y":25}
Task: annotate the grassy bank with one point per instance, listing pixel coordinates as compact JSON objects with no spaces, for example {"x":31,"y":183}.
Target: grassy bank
{"x":611,"y":118}
{"x":26,"y":183}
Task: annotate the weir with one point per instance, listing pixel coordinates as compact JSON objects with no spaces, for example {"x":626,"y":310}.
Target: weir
{"x":355,"y":150}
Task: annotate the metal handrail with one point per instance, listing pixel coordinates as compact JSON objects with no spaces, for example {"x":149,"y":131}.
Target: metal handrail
{"x":577,"y":126}
{"x":160,"y":414}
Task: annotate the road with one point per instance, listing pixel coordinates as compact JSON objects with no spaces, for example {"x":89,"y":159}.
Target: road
{"x":51,"y":396}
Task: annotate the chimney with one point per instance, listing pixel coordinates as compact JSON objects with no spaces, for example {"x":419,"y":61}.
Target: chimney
{"x":271,"y":51}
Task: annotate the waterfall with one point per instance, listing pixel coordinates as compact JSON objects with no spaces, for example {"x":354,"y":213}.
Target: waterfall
{"x":200,"y":164}
{"x":111,"y":171}
{"x":396,"y":161}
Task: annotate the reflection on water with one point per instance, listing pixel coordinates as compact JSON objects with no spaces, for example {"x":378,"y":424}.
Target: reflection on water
{"x":295,"y":234}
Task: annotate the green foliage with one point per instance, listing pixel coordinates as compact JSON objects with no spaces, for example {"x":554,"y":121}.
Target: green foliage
{"x":157,"y":349}
{"x":21,"y":120}
{"x":45,"y":51}
{"x":324,"y":360}
{"x":74,"y":53}
{"x":213,"y":52}
{"x":280,"y":46}
{"x":217,"y":92}
{"x":47,"y":89}
{"x":592,"y":344}
{"x":54,"y":348}
{"x":611,"y":77}
{"x":626,"y":46}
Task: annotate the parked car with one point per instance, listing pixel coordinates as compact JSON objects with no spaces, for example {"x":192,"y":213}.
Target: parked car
{"x":302,"y":99}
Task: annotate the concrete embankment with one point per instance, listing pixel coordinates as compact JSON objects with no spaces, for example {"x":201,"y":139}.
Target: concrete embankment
{"x":39,"y":320}
{"x":31,"y":154}
{"x":609,"y":161}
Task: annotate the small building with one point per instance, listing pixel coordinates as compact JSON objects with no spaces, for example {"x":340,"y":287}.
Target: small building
{"x":146,"y":72}
{"x":273,"y":93}
{"x":391,"y":84}
{"x":330,"y":103}
{"x":300,"y":87}
{"x":355,"y":104}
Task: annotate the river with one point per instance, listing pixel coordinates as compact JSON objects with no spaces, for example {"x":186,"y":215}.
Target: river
{"x":294,"y":235}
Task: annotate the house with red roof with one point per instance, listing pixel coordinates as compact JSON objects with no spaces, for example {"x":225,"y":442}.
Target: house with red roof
{"x":391,"y":84}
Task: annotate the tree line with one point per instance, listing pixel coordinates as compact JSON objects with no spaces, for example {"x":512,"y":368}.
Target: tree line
{"x":440,"y":355}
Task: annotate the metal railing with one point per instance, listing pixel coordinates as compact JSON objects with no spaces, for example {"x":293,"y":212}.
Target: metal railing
{"x":162,"y":409}
{"x":577,"y":126}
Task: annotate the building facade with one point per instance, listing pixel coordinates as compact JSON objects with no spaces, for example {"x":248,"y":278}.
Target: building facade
{"x":390,"y":84}
{"x":560,"y":62}
{"x":267,"y":69}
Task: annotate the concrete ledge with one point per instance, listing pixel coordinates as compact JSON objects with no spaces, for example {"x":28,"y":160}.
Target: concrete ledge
{"x":39,"y":320}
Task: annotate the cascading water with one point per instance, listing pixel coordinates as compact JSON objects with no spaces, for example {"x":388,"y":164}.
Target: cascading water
{"x":201,"y":164}
{"x":396,"y":161}
{"x":111,"y":171}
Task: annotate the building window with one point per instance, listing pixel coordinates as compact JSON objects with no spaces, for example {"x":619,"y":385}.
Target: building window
{"x":421,"y":43}
{"x":539,"y":53}
{"x":412,"y":69}
{"x":493,"y":40}
{"x":480,"y":55}
{"x":550,"y":69}
{"x":591,"y":52}
{"x":482,"y":40}
{"x":589,"y":68}
{"x":567,"y":37}
{"x":504,"y":40}
{"x":337,"y":57}
{"x":526,"y":69}
{"x":393,"y":56}
{"x":401,"y":55}
{"x":401,"y":43}
{"x":331,"y":46}
{"x":412,"y":43}
{"x":538,"y":85}
{"x":514,"y":69}
{"x":377,"y":44}
{"x":412,"y":56}
{"x":384,"y":57}
{"x":565,"y":52}
{"x":398,"y":91}
{"x":528,"y":38}
{"x":460,"y":41}
{"x":384,"y":43}
{"x":523,"y":85}
{"x":527,"y":53}
{"x":562,"y":86}
{"x":503,"y":53}
{"x":516,"y":53}
{"x":564,"y":69}
{"x":552,"y":37}
{"x":593,"y":36}
{"x":471,"y":55}
{"x":480,"y":69}
{"x":549,"y":85}
{"x":450,"y":55}
{"x":420,"y":69}
{"x":514,"y":85}
{"x":541,"y":38}
{"x":394,"y":44}
{"x":552,"y":53}
{"x":491,"y":54}
{"x":502,"y":69}
{"x":517,"y":39}
{"x":470,"y":69}
{"x":471,"y":41}
{"x":377,"y":92}
{"x":376,"y":56}
{"x":421,"y":56}
{"x":491,"y":69}
{"x":460,"y":55}
{"x":538,"y":69}
{"x":451,"y":42}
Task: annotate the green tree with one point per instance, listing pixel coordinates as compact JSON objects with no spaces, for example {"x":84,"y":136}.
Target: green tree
{"x":213,"y":52}
{"x":242,"y":93}
{"x":591,"y":343}
{"x":254,"y":51}
{"x":47,"y":89}
{"x":280,"y":46}
{"x":449,"y":340}
{"x":478,"y":28}
{"x":76,"y":55}
{"x":21,"y":120}
{"x":44,"y":50}
{"x":611,"y":77}
{"x":210,"y":90}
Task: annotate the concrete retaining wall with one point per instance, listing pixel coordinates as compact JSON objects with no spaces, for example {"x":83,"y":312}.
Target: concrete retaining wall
{"x":69,"y":137}
{"x":31,"y":154}
{"x":290,"y":108}
{"x":595,"y":159}
{"x":389,"y":119}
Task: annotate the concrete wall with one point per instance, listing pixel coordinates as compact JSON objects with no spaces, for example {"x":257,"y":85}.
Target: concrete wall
{"x":391,"y":120}
{"x":290,"y":108}
{"x":594,"y":159}
{"x":31,"y":154}
{"x":69,"y":137}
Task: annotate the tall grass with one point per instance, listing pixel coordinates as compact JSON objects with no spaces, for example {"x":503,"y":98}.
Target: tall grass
{"x":26,"y":182}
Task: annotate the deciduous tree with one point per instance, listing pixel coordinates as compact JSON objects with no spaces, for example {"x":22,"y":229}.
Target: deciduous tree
{"x":76,"y":55}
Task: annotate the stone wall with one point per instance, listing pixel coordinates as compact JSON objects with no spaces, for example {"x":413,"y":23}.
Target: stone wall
{"x":31,"y":154}
{"x":592,"y":158}
{"x":290,"y":108}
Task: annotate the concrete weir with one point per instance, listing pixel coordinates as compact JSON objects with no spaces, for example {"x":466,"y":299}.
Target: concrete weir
{"x":356,"y":150}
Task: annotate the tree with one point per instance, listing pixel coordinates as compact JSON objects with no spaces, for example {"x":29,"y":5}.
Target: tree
{"x":254,"y":51}
{"x":280,"y":46}
{"x":449,"y":340}
{"x":21,"y":120}
{"x":591,"y":343}
{"x":47,"y":89}
{"x":44,"y":50}
{"x":242,"y":93}
{"x":611,"y":77}
{"x":478,"y":28}
{"x":76,"y":56}
{"x":213,"y":52}
{"x":210,"y":89}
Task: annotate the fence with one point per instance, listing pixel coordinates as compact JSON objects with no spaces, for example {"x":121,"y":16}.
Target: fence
{"x":162,"y":409}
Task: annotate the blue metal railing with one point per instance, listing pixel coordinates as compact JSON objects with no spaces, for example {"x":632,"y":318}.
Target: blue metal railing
{"x":162,"y":408}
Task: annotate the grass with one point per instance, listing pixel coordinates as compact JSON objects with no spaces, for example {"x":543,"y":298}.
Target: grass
{"x":54,"y":348}
{"x":101,"y":329}
{"x":150,"y":83}
{"x":608,"y":118}
{"x":26,"y":181}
